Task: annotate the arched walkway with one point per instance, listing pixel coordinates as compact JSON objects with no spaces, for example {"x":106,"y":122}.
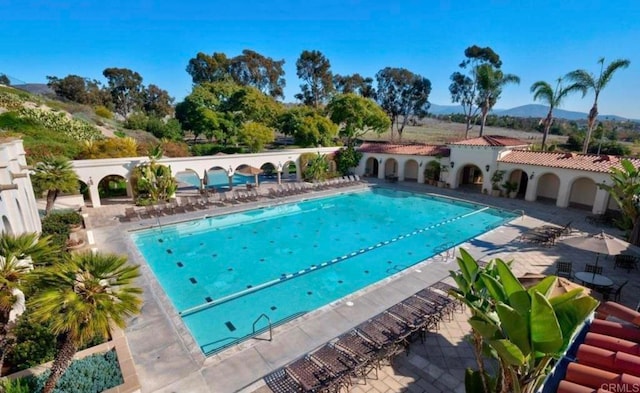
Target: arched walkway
{"x":113,"y":188}
{"x":6,"y":226}
{"x":432,"y":172}
{"x":583,"y":193}
{"x":390,"y":167}
{"x":411,"y":168}
{"x":548,"y":187}
{"x":521,"y":179}
{"x":371,"y":167}
{"x":471,"y":178}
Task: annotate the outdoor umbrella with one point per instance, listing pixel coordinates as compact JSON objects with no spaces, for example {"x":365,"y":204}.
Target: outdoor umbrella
{"x":250,"y":170}
{"x":601,"y":243}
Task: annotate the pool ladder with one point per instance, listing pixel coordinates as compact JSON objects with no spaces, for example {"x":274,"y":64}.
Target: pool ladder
{"x":253,"y":335}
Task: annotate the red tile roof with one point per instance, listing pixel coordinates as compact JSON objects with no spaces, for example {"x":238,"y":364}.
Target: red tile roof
{"x":584,"y":162}
{"x":609,"y":357}
{"x":417,"y":149}
{"x":491,"y":140}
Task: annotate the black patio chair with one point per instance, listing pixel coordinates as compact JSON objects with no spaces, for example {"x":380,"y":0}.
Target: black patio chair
{"x":310,"y":375}
{"x":281,"y":382}
{"x":589,"y":268}
{"x":625,"y":261}
{"x":564,"y":269}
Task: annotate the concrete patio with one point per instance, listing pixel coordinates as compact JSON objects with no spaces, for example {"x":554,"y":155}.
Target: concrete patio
{"x":168,"y":360}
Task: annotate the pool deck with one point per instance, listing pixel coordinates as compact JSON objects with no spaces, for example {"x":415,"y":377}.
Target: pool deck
{"x":168,"y":360}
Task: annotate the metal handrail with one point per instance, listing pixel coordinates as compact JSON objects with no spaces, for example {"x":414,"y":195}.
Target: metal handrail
{"x":521,"y":211}
{"x":263,"y":315}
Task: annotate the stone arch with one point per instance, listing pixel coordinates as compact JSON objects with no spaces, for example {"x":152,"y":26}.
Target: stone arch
{"x":470,"y":177}
{"x":6,"y":224}
{"x":217,"y":177}
{"x":371,"y":167}
{"x":582,"y":193}
{"x":289,"y":171}
{"x":432,"y":171}
{"x":112,"y":187}
{"x":520,"y":177}
{"x":188,"y":179}
{"x":411,"y":169}
{"x":269,"y":173}
{"x":390,"y":167}
{"x":548,"y":187}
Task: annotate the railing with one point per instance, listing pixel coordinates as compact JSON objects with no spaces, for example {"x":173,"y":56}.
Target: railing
{"x":253,"y":335}
{"x":521,"y":211}
{"x":446,"y":251}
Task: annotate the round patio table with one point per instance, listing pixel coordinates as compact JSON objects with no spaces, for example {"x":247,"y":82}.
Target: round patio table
{"x":597,"y":280}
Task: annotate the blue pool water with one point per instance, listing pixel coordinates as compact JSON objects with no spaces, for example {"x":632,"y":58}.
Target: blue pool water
{"x":218,"y":179}
{"x":222,"y":272}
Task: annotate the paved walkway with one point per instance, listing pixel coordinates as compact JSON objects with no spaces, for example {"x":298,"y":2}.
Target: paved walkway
{"x":168,"y":360}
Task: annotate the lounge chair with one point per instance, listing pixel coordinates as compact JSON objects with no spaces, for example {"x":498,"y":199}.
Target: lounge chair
{"x":310,"y":375}
{"x":360,"y":349}
{"x":281,"y":382}
{"x":339,"y":363}
{"x":130,"y":214}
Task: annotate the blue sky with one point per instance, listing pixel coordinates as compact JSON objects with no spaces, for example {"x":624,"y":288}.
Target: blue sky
{"x":536,"y":39}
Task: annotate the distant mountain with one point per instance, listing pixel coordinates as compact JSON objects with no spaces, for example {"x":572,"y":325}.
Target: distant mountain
{"x":531,"y":110}
{"x":536,"y":110}
{"x":35,"y":88}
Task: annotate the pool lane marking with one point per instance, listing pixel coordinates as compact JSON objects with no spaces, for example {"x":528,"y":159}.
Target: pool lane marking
{"x":232,"y":296}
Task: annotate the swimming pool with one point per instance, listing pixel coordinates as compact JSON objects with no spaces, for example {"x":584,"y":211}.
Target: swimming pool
{"x":221,"y":273}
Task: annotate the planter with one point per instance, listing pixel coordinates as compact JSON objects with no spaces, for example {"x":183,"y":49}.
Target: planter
{"x":75,"y":244}
{"x":441,"y":184}
{"x":513,"y":194}
{"x":75,"y":227}
{"x":495,"y":193}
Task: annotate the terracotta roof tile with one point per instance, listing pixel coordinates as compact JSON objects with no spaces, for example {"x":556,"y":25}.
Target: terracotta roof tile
{"x":585,"y":162}
{"x":608,"y":356}
{"x":418,"y":149}
{"x":491,"y":140}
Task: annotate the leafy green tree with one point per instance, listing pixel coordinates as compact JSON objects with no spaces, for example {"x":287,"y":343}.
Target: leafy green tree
{"x":354,"y":84}
{"x":54,"y":175}
{"x":522,"y":329}
{"x":157,"y":102}
{"x":80,"y":299}
{"x":307,"y":127}
{"x":588,"y":81}
{"x":79,"y":89}
{"x":402,"y":94}
{"x":464,"y":87}
{"x":153,"y":182}
{"x":542,"y":91}
{"x":346,"y":159}
{"x":204,"y":68}
{"x":356,"y":115}
{"x":625,"y":190}
{"x":253,"y":69}
{"x":491,"y":80}
{"x":315,"y":70}
{"x":125,"y":87}
{"x":256,"y":135}
{"x":18,"y":254}
{"x":4,"y":80}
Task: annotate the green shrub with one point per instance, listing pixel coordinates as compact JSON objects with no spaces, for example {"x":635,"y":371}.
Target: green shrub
{"x":60,"y":122}
{"x":18,"y":385}
{"x":136,"y":121}
{"x":103,"y":112}
{"x":93,"y":374}
{"x":34,"y":344}
{"x":209,"y":149}
{"x":55,"y":225}
{"x":10,"y":101}
{"x":120,"y":134}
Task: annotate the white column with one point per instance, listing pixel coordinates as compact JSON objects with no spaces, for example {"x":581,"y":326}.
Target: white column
{"x":400,"y":170}
{"x":600,"y":202}
{"x":95,"y":195}
{"x":564,"y":193}
{"x":420,"y":173}
{"x":381,"y":169}
{"x":532,"y":189}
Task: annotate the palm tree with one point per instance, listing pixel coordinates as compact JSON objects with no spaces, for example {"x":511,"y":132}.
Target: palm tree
{"x":79,"y":300}
{"x":625,"y":190}
{"x":490,"y":83}
{"x":553,"y":97}
{"x":18,"y":254}
{"x":54,"y":175}
{"x":590,"y":82}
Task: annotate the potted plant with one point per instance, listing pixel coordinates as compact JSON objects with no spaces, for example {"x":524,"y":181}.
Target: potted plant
{"x":511,"y":188}
{"x":496,"y":178}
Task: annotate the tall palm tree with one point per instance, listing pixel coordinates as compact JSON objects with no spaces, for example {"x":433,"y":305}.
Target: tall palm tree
{"x":491,"y":80}
{"x":553,"y":97}
{"x":54,"y":175}
{"x":79,"y":300}
{"x":590,"y":82}
{"x":18,"y":254}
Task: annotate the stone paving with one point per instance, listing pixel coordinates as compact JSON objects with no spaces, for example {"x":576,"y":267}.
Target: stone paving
{"x":168,"y":361}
